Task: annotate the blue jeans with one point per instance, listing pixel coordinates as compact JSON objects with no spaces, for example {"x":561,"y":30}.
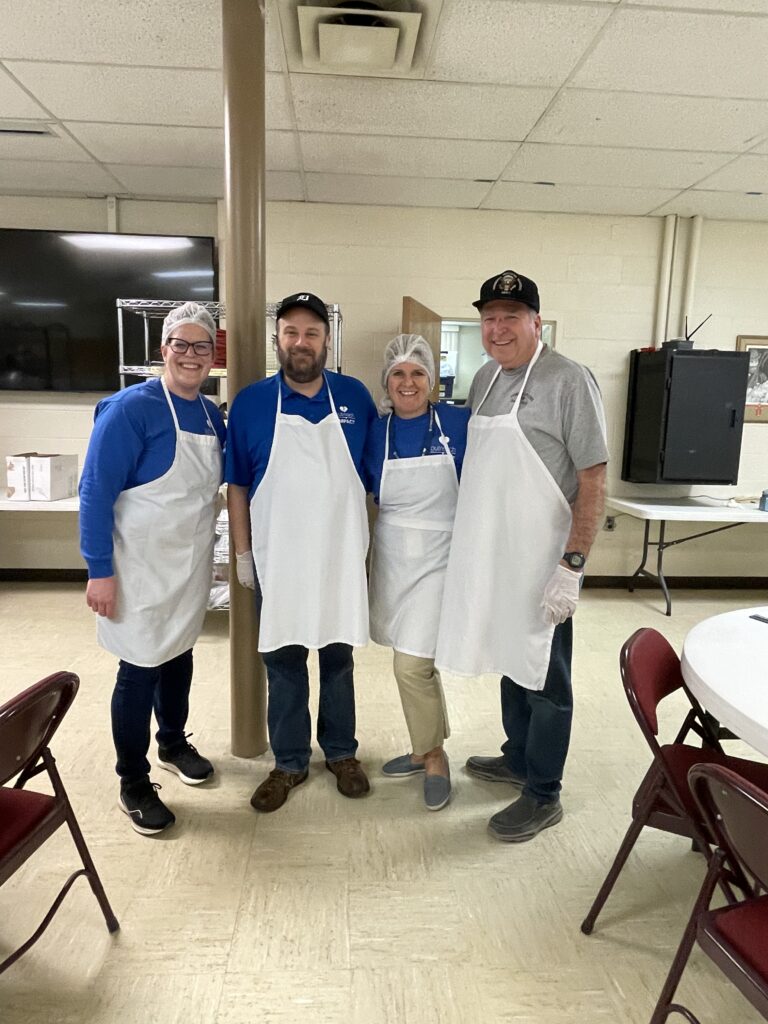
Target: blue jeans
{"x":137,"y":691}
{"x":538,"y":722}
{"x":288,"y":719}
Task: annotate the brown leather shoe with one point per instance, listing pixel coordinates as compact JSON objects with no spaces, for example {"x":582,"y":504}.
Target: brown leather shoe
{"x":351,"y":780}
{"x":274,"y":790}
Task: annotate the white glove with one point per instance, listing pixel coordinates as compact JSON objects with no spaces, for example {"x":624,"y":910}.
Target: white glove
{"x":561,"y":594}
{"x":245,"y":574}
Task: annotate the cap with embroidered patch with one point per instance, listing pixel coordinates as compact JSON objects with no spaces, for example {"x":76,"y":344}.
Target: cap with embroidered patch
{"x":304,"y":300}
{"x":510,"y":286}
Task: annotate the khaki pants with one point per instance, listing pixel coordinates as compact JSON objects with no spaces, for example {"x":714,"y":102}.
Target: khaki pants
{"x":421,"y":694}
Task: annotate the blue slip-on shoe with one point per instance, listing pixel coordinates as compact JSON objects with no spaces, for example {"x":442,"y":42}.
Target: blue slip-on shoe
{"x":401,"y":767}
{"x":437,"y":791}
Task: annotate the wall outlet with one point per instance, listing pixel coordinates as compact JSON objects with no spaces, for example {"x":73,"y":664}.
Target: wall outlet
{"x":610,"y":523}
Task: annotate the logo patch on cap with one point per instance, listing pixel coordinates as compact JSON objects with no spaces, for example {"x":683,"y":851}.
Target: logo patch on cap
{"x":507,"y":283}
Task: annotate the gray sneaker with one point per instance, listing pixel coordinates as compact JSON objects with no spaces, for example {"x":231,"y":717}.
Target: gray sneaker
{"x":524,"y":819}
{"x":493,"y":769}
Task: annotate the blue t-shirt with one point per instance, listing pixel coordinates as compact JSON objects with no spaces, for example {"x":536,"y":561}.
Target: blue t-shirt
{"x":408,"y":438}
{"x":133,"y":442}
{"x":251,"y":424}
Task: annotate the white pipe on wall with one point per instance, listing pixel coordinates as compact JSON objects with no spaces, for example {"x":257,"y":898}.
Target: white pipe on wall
{"x":689,"y":285}
{"x":665,"y":279}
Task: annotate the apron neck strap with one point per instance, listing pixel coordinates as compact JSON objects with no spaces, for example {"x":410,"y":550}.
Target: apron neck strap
{"x":171,"y":405}
{"x":280,"y":381}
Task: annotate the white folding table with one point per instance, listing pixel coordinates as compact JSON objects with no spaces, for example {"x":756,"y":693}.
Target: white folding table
{"x":689,"y":510}
{"x":725,"y":665}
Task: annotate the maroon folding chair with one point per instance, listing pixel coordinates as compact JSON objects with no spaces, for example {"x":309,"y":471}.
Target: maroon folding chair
{"x":735,"y":936}
{"x":27,"y":818}
{"x":650,"y":671}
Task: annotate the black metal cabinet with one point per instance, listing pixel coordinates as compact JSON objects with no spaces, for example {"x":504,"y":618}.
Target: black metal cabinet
{"x":685,"y":415}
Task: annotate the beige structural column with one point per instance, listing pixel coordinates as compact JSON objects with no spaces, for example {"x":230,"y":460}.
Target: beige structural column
{"x":243,"y":52}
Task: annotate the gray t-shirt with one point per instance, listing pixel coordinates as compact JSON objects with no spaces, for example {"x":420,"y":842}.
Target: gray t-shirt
{"x":561,"y":413}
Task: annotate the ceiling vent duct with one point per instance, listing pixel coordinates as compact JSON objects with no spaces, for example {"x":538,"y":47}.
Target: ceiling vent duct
{"x":26,"y":129}
{"x":357,"y":38}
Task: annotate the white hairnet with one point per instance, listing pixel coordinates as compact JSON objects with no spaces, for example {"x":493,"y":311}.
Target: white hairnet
{"x":189,"y":313}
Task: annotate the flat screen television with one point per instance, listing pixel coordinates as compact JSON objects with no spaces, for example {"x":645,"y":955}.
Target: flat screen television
{"x":58,"y":319}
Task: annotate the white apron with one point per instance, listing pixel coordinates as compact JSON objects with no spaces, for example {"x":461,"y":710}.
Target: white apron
{"x":411,"y":541}
{"x":163,"y":552}
{"x":309,"y":531}
{"x":512,"y":524}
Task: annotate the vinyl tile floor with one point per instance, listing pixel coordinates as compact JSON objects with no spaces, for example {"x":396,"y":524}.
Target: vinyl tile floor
{"x":336,"y":911}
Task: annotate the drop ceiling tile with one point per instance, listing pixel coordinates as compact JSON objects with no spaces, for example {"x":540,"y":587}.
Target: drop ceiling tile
{"x":641,"y":51}
{"x":284,"y":186}
{"x":427,"y":109}
{"x":745,"y":174}
{"x":86,"y":92}
{"x":734,"y":6}
{"x":55,"y":177}
{"x":390,"y":155}
{"x":717,"y":206}
{"x":508,"y":195}
{"x":151,"y":144}
{"x":626,"y":168}
{"x":476,"y":41}
{"x":367,"y":189}
{"x":179,"y":182}
{"x":172,"y":33}
{"x":42,"y":147}
{"x":14,"y":102}
{"x":592,"y":118}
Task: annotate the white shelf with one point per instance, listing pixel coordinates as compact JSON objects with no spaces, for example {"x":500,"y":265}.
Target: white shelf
{"x":62,"y":505}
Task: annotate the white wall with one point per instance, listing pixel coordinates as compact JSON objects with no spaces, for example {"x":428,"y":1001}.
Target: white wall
{"x":597,"y":277}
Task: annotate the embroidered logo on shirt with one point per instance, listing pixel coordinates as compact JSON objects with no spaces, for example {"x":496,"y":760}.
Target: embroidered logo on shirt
{"x":346,"y":415}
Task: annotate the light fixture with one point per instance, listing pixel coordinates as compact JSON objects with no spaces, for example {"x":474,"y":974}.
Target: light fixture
{"x":42,"y":305}
{"x":183,"y":273}
{"x":127,"y":243}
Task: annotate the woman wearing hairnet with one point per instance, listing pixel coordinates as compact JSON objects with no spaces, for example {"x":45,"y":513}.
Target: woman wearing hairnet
{"x":147,"y":515}
{"x":413,"y":459}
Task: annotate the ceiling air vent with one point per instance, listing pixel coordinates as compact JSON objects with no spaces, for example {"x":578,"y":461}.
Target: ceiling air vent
{"x":28,"y":129}
{"x":357,"y":38}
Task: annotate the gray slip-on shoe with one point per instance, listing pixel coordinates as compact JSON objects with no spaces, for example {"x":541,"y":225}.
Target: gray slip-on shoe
{"x":401,"y":767}
{"x":524,"y":819}
{"x":437,"y":791}
{"x":492,"y":769}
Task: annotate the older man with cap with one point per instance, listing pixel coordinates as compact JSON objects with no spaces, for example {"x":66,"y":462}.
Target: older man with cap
{"x":297,"y":515}
{"x":529,"y":508}
{"x":147,"y":516}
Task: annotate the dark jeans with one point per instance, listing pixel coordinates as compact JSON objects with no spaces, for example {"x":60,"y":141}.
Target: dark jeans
{"x":538,"y":722}
{"x":290,"y":726}
{"x":137,"y":692}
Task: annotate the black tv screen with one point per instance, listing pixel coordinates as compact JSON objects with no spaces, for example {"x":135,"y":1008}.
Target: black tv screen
{"x":58,"y":318}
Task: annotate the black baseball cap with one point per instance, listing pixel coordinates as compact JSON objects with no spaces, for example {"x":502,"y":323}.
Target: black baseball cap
{"x":307,"y":301}
{"x":510,"y":286}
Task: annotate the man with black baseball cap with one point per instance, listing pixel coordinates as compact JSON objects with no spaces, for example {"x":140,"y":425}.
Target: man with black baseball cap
{"x":298,"y":521}
{"x":530,"y":504}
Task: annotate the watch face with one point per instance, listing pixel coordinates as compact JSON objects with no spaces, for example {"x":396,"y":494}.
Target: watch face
{"x":575,"y":559}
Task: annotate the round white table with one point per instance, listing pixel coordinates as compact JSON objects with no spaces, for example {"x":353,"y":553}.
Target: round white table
{"x":725,"y":664}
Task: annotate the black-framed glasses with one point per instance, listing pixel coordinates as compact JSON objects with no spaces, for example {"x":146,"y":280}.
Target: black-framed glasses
{"x":181,"y":347}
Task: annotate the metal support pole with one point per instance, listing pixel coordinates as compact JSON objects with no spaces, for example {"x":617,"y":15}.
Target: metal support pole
{"x":243,"y":58}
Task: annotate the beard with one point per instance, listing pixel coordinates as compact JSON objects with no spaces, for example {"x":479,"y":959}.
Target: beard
{"x":303,"y":368}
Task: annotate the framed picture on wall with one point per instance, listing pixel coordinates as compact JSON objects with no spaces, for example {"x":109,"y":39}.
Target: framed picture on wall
{"x":756,"y":409}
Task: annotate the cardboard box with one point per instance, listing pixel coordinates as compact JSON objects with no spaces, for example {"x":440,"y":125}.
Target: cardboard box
{"x":52,"y":477}
{"x":17,"y":469}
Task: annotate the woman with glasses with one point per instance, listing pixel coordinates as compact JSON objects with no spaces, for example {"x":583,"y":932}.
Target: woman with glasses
{"x":413,"y":461}
{"x":147,"y":515}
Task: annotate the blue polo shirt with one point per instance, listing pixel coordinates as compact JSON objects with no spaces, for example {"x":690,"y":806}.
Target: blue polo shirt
{"x":252,"y":416}
{"x":133,"y":442}
{"x":408,"y":438}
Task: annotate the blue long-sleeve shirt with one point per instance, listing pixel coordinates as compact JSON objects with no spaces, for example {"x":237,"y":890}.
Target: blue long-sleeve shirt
{"x":133,"y":442}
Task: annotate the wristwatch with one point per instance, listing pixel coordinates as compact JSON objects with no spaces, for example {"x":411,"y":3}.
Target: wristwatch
{"x":575,"y":559}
